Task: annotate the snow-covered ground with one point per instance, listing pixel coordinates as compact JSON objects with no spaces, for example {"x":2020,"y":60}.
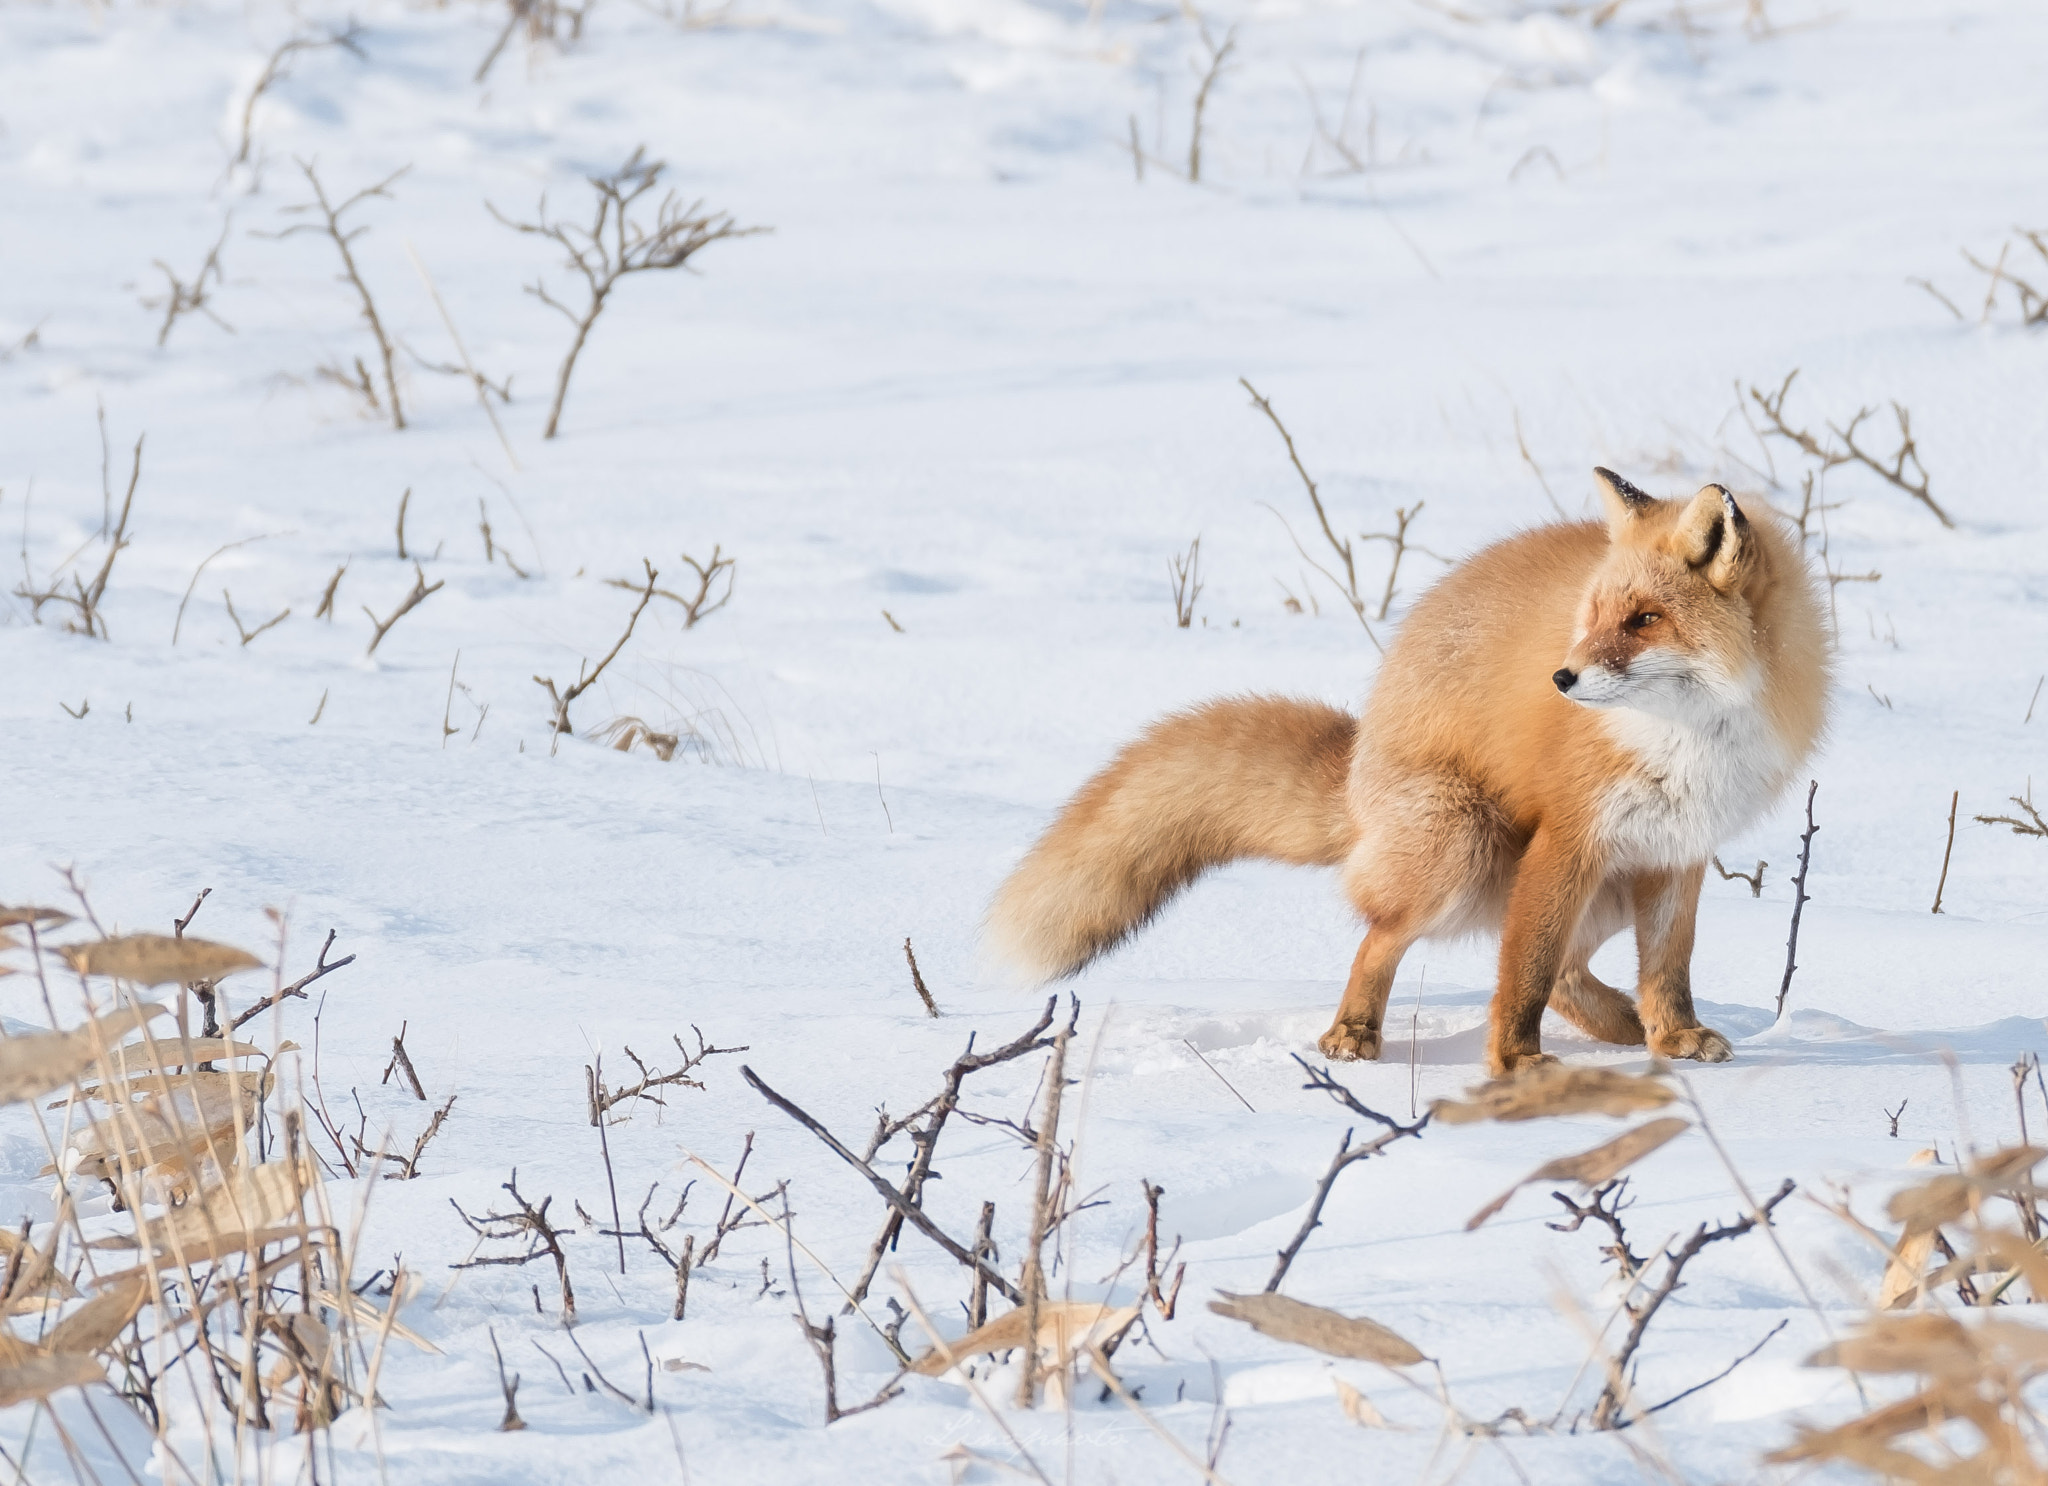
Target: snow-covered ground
{"x":982,"y":377}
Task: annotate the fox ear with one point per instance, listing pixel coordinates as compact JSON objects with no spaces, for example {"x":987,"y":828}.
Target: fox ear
{"x":1624,"y":503}
{"x":1714,"y":537}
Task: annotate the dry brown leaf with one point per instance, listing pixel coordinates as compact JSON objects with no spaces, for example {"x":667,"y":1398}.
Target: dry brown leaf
{"x":169,"y":1129}
{"x":50,"y":916}
{"x":1547,"y":1089}
{"x":40,"y":1374}
{"x":158,"y":959}
{"x":1359,"y":1409}
{"x":1860,"y":1441}
{"x":37,"y":1062}
{"x":170,"y":1051}
{"x":104,"y":1317}
{"x":1945,"y":1198}
{"x":1591,"y":1168}
{"x":1329,"y":1332}
{"x":1065,"y":1329}
{"x":1903,"y":1271}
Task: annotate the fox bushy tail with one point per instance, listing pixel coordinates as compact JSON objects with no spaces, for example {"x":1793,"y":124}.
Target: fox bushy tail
{"x":1245,"y":777}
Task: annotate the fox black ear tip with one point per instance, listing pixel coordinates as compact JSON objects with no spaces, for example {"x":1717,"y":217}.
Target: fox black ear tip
{"x":1633,"y":498}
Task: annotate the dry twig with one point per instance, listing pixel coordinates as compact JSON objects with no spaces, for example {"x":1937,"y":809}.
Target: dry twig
{"x":1799,"y":898}
{"x":562,"y":699}
{"x":1185,"y":569}
{"x":421,"y":589}
{"x":182,"y":298}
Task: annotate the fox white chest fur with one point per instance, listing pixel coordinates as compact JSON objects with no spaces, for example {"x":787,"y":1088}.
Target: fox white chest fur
{"x":1698,"y":780}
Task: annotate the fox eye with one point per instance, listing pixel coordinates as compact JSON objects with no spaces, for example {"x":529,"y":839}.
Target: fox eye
{"x":1643,"y":620}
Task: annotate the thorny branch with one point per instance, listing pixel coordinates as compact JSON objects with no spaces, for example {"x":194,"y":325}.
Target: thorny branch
{"x":602,"y":1099}
{"x":2033,"y":825}
{"x":1799,"y":898}
{"x":1610,"y":1411}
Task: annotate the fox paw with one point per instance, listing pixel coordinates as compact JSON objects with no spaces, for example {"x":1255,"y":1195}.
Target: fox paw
{"x":1350,"y":1042}
{"x":1507,"y":1066}
{"x":1702,"y":1043}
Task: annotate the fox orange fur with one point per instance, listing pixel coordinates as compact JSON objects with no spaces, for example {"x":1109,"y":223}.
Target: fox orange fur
{"x":1566,"y":727}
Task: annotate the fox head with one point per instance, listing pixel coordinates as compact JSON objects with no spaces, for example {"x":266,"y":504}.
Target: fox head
{"x":1665,"y":624}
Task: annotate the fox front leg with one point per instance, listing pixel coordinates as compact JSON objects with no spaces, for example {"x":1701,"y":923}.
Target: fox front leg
{"x":1667,"y":906}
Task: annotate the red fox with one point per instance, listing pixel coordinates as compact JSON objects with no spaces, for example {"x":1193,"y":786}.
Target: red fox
{"x":1566,"y":727}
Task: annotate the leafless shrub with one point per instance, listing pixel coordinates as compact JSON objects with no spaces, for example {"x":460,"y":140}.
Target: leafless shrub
{"x":330,"y":225}
{"x":561,"y":700}
{"x":1186,"y":571}
{"x":615,"y":246}
{"x":420,"y":590}
{"x":603,"y":1099}
{"x":542,"y":20}
{"x":528,"y":1225}
{"x":1891,"y":468}
{"x":182,"y":298}
{"x":1341,"y":548}
{"x":923,"y":1125}
{"x":2030,"y":303}
{"x":275,"y":70}
{"x":84,"y":597}
{"x":699,"y":605}
{"x":2032,"y":825}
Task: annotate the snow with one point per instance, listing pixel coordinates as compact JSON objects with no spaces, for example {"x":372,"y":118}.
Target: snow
{"x":983,"y":378}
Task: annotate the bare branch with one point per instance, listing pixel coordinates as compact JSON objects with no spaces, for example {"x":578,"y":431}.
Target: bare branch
{"x":561,"y":700}
{"x":616,"y":245}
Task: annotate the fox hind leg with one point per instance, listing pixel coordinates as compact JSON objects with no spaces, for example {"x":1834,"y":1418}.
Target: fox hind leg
{"x":1596,"y":1008}
{"x":1581,"y":997}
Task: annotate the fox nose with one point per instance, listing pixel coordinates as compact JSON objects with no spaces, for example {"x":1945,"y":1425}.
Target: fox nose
{"x":1564,"y":678}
